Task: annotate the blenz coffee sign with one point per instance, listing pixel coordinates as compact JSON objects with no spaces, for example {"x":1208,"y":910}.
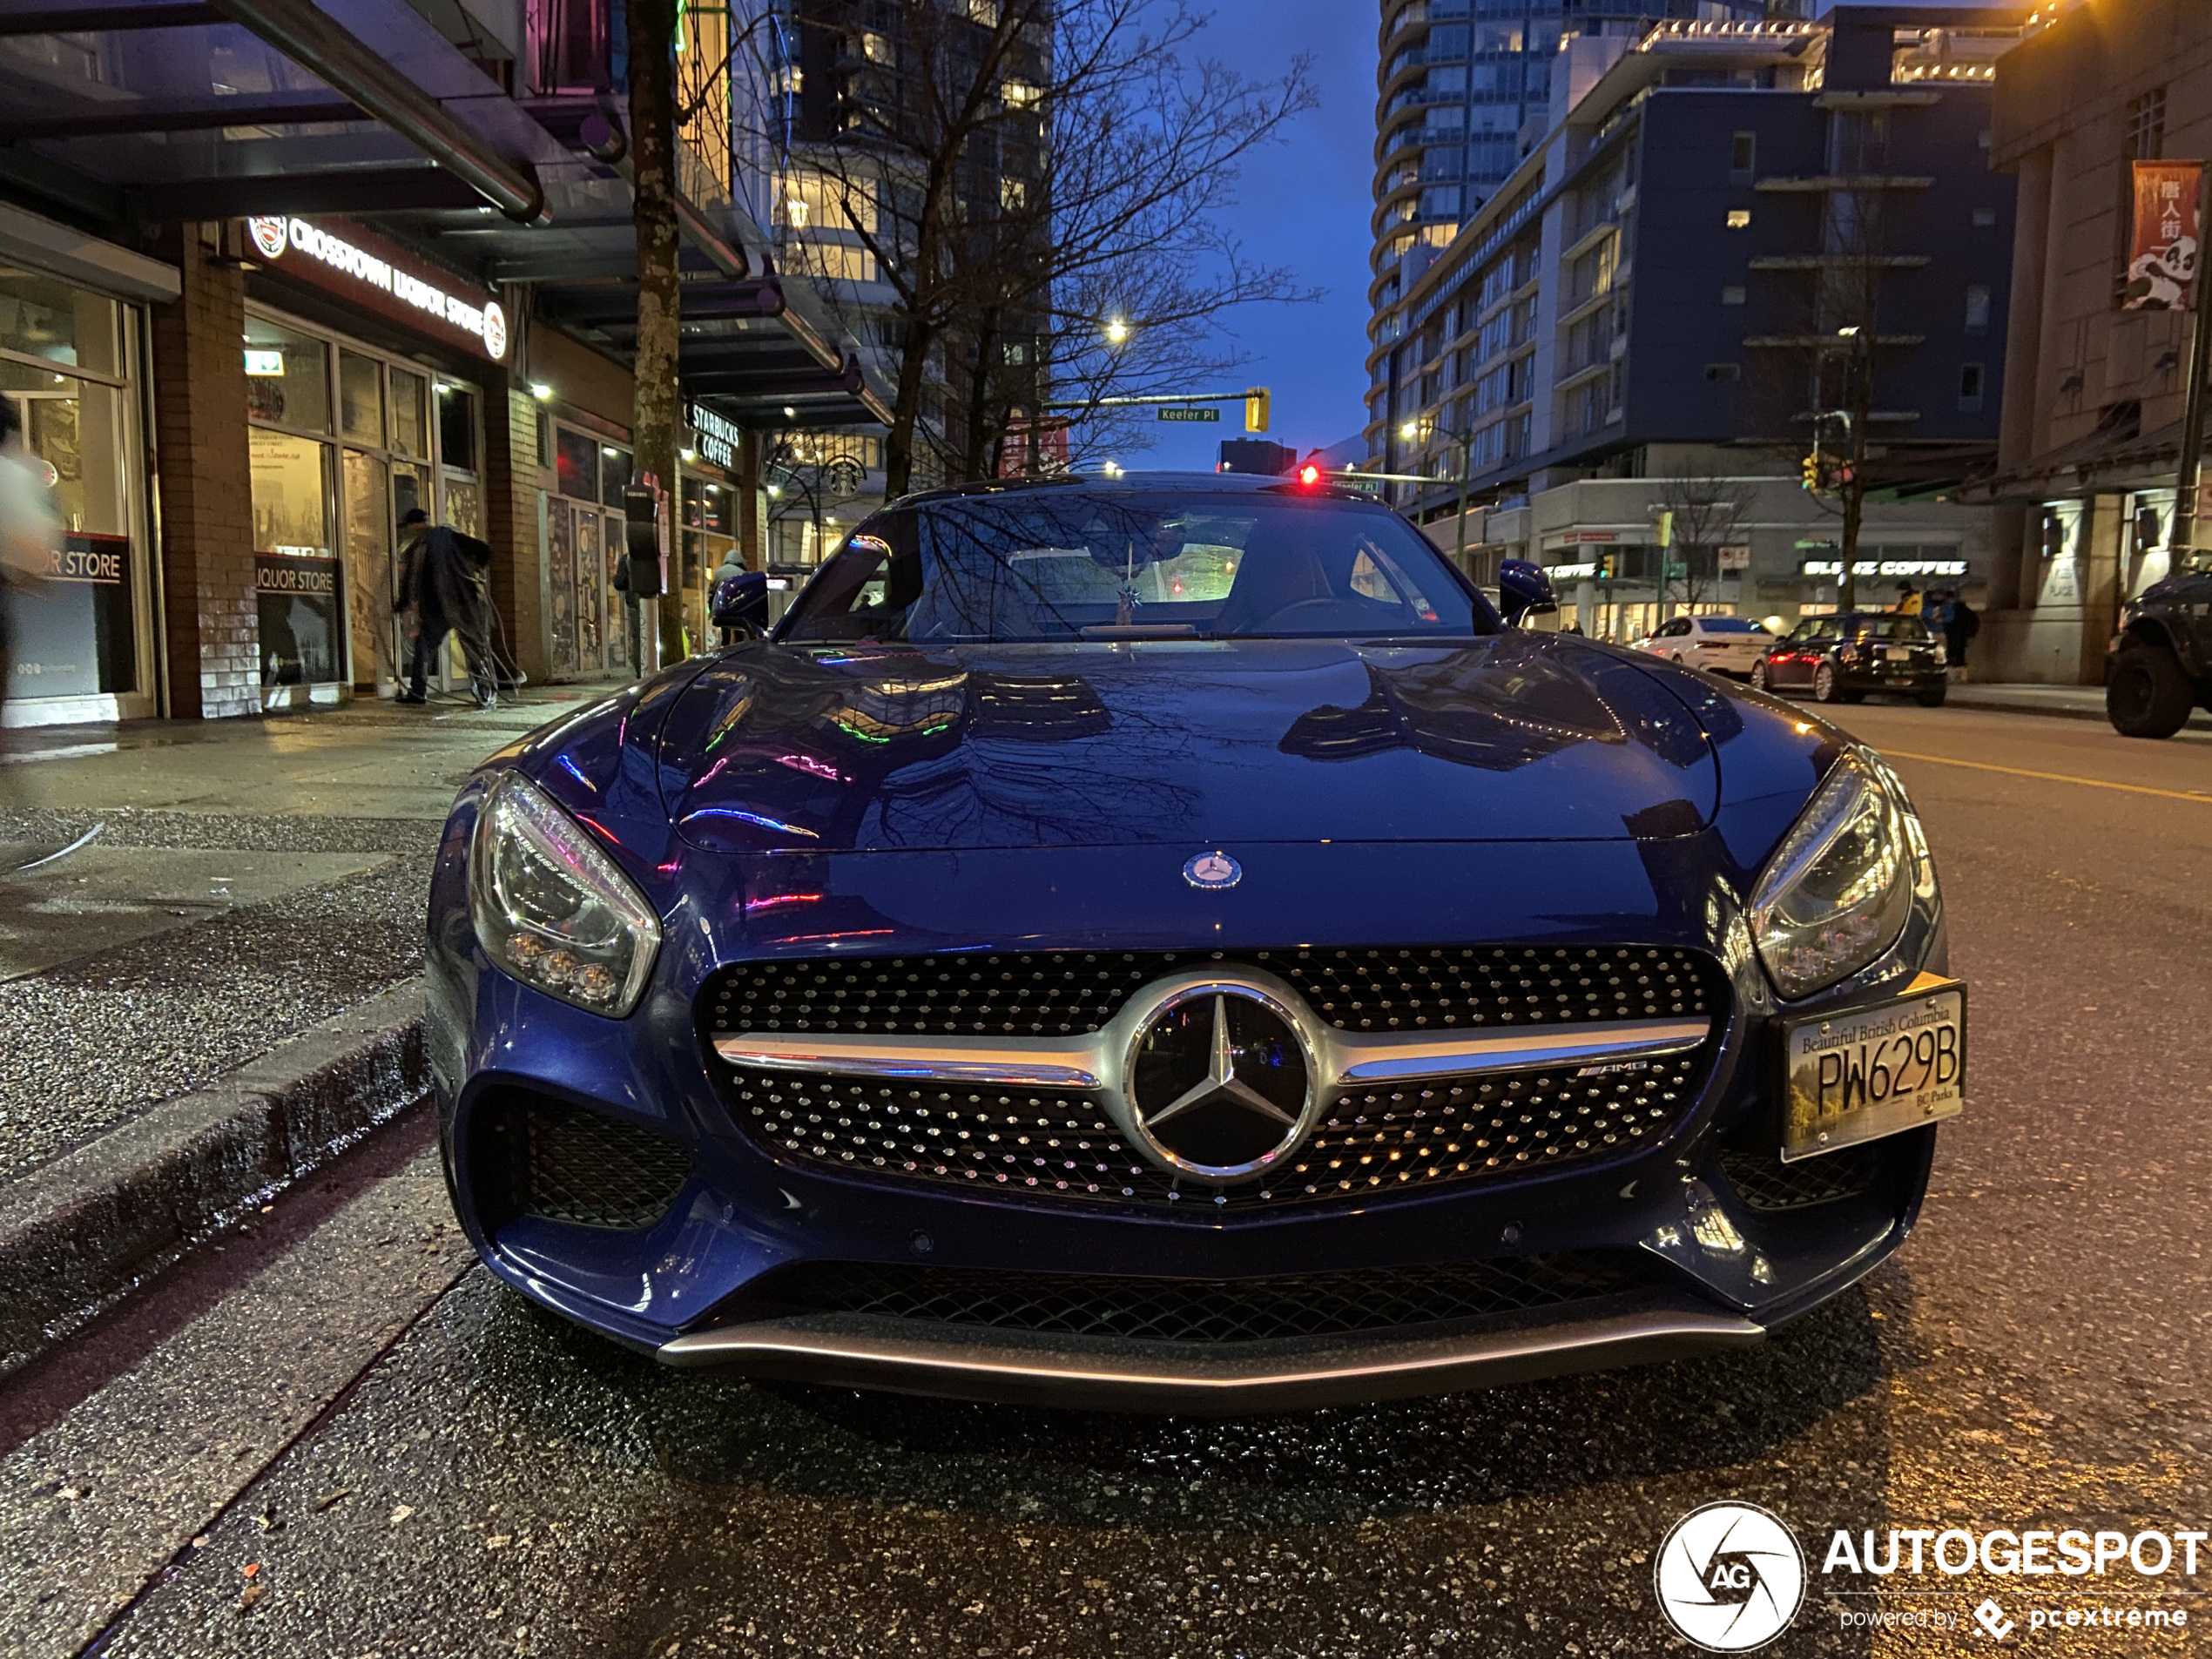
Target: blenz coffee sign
{"x":383,"y":278}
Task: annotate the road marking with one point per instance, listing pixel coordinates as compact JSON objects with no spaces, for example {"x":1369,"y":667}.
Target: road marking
{"x":2050,"y":777}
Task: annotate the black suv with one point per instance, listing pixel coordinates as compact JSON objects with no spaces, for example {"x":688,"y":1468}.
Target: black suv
{"x":2160,"y":665}
{"x":1842,"y":657}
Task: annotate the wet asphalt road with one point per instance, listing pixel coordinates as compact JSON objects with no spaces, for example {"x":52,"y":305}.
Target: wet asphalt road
{"x":2038,"y":1355}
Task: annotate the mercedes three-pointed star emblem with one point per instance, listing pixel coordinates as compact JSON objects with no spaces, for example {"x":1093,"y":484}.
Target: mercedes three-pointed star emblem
{"x":1220,"y":1081}
{"x":1220,"y":1078}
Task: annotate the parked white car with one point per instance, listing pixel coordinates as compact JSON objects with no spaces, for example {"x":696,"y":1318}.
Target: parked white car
{"x":1727,"y":645}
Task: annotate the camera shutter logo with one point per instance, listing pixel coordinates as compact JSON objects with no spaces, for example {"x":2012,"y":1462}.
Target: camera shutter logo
{"x":1729,"y":1577}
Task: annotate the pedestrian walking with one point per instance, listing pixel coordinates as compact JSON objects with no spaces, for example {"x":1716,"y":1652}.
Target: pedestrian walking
{"x":1961,"y":624}
{"x":441,"y":592}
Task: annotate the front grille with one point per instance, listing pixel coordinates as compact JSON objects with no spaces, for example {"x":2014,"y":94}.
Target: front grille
{"x":1059,"y":993}
{"x":1173,"y":1310}
{"x":1442,"y":1131}
{"x":567,"y":1163}
{"x":1445,"y":1132}
{"x":1764,"y":1182}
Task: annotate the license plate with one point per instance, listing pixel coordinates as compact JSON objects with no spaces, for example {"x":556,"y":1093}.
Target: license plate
{"x":1898,"y":653}
{"x":1860,"y":1073}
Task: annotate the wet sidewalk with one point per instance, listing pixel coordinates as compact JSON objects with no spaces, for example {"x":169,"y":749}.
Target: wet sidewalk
{"x":244,"y":881}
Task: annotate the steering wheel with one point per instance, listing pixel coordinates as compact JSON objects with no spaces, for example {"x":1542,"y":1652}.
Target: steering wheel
{"x":1285,"y":617}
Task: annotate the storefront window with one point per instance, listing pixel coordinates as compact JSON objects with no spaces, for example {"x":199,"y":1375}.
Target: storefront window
{"x":457,"y":427}
{"x":577,"y":460}
{"x":409,"y":436}
{"x":361,"y":399}
{"x":614,"y":473}
{"x":464,"y":506}
{"x":368,"y":567}
{"x":75,"y":637}
{"x":296,"y":571}
{"x":42,"y":318}
{"x":288,"y":376}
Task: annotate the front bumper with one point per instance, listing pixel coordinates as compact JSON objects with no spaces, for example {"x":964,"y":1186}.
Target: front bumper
{"x":1722,"y":1259}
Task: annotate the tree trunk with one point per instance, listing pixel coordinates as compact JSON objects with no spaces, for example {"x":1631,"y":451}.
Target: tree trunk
{"x":1855,"y":488}
{"x":906,"y":411}
{"x":656,"y":423}
{"x":975,"y":449}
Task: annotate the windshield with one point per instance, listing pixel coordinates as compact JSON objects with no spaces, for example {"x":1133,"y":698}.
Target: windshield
{"x":1728,"y":625}
{"x":1070,"y":565}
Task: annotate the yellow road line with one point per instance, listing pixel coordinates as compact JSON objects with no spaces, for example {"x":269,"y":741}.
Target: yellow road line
{"x":2048,"y":777}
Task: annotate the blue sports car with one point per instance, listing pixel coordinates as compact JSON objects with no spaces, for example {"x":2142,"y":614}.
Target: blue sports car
{"x":1170,"y":943}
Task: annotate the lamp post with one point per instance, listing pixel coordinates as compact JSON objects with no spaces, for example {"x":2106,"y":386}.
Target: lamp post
{"x":1854,"y":418}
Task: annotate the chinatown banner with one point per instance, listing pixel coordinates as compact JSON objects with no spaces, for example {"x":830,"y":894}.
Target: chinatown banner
{"x":2162,"y":242}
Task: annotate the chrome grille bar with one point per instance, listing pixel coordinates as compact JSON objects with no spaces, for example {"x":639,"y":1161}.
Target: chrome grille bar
{"x":1091,"y":1060}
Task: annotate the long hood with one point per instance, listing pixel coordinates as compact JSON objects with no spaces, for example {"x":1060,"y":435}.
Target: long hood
{"x":1517,"y":738}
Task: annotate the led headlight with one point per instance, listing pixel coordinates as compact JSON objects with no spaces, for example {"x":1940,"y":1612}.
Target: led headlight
{"x":552,"y":909}
{"x":1838,"y":891}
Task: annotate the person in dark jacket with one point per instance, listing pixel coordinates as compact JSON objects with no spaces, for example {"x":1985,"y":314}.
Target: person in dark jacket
{"x":442,"y":590}
{"x":1961,"y":624}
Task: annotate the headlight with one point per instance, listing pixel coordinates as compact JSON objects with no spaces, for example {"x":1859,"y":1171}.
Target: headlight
{"x":552,"y":909}
{"x":1836,"y":894}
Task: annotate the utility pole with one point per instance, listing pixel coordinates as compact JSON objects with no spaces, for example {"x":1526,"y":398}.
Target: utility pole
{"x":2180,"y":535}
{"x":1854,"y":492}
{"x":1466,"y":438}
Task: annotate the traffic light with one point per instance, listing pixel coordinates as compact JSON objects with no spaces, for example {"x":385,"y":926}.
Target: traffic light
{"x":1256,"y":402}
{"x":1812,"y":471}
{"x":1606,"y":566}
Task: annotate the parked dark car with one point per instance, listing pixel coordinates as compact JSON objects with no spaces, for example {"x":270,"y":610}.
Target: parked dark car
{"x":1841,"y":658}
{"x":2159,"y":666}
{"x":1169,"y":942}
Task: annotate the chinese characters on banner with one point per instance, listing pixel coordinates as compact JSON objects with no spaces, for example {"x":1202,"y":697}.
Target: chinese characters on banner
{"x":2162,"y":249}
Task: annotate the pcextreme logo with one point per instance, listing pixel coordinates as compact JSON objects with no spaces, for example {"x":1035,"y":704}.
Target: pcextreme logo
{"x":1731,"y":1576}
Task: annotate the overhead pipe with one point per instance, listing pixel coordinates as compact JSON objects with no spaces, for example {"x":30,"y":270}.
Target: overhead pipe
{"x":312,"y":38}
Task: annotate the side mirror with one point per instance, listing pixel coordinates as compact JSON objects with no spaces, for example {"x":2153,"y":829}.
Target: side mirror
{"x":741,"y":601}
{"x":1523,"y":587}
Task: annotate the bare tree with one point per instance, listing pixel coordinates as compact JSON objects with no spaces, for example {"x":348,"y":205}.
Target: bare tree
{"x":1705,"y":512}
{"x":655,"y":425}
{"x":1037,"y":182}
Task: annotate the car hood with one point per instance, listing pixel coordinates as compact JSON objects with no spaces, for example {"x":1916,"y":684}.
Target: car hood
{"x":1517,"y":737}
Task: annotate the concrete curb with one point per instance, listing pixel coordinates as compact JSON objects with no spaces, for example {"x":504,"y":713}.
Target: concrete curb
{"x":83,"y":1231}
{"x":1967,"y":699}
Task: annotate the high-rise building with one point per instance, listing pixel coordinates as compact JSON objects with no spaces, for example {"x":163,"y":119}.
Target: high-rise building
{"x":1464,"y":92}
{"x":1736,"y":246}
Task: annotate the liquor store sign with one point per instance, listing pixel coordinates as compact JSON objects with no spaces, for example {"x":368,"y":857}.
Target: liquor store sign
{"x":373,"y":272}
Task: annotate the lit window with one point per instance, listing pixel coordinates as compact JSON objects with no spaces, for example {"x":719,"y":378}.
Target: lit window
{"x":1739,"y":218}
{"x":808,"y":200}
{"x":1018,"y":95}
{"x":790,"y":80}
{"x":1977,"y":308}
{"x":875,"y":48}
{"x":984,"y":11}
{"x":1014,"y":195}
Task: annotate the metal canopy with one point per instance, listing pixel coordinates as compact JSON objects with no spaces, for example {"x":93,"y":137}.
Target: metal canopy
{"x":123,"y":114}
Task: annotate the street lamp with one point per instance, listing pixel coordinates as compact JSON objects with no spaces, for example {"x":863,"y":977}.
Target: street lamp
{"x":1116,"y":332}
{"x":540,"y":391}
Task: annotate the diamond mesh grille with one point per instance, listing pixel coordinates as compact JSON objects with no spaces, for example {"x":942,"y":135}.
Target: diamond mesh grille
{"x":1764,"y":1182}
{"x":579,"y":1167}
{"x":1057,"y":993}
{"x":1210,"y":1310}
{"x":1446,"y":1132}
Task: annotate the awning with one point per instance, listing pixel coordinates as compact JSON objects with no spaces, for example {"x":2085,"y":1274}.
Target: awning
{"x":236,"y":108}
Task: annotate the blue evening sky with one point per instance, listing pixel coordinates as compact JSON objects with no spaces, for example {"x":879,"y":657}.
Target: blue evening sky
{"x":1303,"y":204}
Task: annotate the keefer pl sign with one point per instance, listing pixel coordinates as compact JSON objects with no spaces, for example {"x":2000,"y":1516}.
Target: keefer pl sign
{"x":367,"y":269}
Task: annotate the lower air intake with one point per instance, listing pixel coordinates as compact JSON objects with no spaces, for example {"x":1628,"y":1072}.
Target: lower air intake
{"x":566,"y":1164}
{"x":1203,"y":1311}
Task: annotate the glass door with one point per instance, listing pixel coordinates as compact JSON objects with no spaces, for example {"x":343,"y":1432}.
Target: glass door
{"x":590,"y":604}
{"x":369,"y":576}
{"x":560,"y":555}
